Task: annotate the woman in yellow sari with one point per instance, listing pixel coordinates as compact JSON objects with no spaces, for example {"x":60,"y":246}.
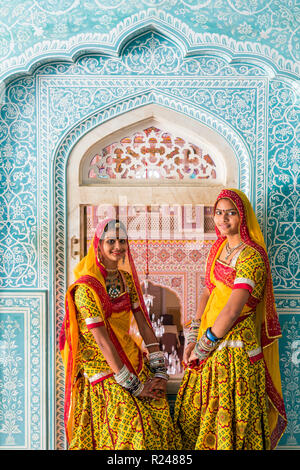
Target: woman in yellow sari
{"x":114,"y":398}
{"x":230,"y":397}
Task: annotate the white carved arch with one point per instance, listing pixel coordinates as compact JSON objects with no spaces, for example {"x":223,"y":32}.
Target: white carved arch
{"x":233,"y":159}
{"x":169,"y":121}
{"x":152,"y":114}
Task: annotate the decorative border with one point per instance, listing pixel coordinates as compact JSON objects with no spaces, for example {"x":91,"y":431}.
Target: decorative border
{"x":30,"y":370}
{"x":52,"y":244}
{"x":188,"y":41}
{"x":289,"y":354}
{"x":288,"y":308}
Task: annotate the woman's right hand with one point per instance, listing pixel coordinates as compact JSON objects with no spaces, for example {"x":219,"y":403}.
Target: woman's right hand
{"x":147,"y":391}
{"x":187,"y":352}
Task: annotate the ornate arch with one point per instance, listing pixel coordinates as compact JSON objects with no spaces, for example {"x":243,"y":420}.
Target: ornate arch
{"x":153,"y":19}
{"x":73,"y":136}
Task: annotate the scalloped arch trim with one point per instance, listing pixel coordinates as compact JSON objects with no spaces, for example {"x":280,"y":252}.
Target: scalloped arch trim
{"x":158,"y":102}
{"x":187,"y":40}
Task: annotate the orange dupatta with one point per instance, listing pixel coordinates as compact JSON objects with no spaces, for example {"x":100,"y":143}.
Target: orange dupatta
{"x":91,"y":273}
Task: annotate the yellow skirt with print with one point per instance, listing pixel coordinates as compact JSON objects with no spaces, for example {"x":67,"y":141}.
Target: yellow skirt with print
{"x":108,"y":417}
{"x":223,"y":404}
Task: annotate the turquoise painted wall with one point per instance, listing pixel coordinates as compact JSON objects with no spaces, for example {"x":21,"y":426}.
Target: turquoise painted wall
{"x":69,"y":66}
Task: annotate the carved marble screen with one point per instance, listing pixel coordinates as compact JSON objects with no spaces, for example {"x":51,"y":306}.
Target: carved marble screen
{"x":151,"y":154}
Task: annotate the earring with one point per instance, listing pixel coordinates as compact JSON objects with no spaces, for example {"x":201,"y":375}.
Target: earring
{"x":99,"y":258}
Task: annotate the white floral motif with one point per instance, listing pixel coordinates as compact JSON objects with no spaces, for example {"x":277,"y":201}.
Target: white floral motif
{"x":11,"y":408}
{"x":56,"y":7}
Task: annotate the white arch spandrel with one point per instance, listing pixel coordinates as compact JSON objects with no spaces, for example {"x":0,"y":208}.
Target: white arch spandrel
{"x":230,"y":165}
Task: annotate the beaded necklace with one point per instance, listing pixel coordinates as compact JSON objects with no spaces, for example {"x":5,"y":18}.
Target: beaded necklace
{"x":114,"y":285}
{"x":231,"y":250}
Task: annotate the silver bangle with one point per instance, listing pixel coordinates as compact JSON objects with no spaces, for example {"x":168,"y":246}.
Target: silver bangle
{"x":157,"y":364}
{"x":122,"y":375}
{"x":162,"y":375}
{"x":152,"y":344}
{"x":129,"y":381}
{"x":138,"y":390}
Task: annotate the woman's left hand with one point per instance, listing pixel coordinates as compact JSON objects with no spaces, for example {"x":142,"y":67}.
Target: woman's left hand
{"x":193,"y":357}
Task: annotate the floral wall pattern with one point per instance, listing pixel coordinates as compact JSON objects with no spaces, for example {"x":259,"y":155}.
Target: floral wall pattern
{"x":35,"y":27}
{"x":23,"y":370}
{"x":158,"y":53}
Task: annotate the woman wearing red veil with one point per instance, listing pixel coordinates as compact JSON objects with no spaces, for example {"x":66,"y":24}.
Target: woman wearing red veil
{"x":230,"y":397}
{"x":114,"y":399}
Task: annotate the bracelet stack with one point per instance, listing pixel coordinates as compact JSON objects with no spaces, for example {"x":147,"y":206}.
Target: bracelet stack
{"x":206,"y":344}
{"x":130,"y":381}
{"x":193,"y":332}
{"x":158,"y":365}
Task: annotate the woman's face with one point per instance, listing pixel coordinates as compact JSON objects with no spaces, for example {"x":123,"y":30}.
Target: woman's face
{"x":114,"y":246}
{"x":227,"y":218}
